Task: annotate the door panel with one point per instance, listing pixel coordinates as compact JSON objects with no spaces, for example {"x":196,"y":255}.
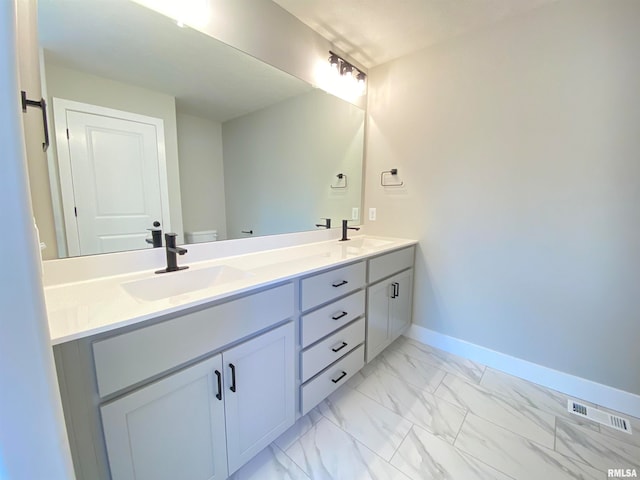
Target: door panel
{"x":262,"y":406}
{"x":377,"y":318}
{"x":113,"y":211}
{"x":170,"y":429}
{"x":400,"y":311}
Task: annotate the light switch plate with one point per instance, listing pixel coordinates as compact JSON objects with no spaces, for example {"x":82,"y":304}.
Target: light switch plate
{"x":355,"y":213}
{"x":372,"y":214}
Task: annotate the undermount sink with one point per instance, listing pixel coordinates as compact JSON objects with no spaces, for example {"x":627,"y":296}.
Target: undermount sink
{"x":167,"y":285}
{"x":367,"y":243}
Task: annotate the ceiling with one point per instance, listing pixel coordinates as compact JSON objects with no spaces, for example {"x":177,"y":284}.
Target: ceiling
{"x":147,"y":49}
{"x":373,"y":32}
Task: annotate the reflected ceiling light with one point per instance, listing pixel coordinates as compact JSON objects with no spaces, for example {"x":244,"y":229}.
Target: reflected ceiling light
{"x":348,"y":73}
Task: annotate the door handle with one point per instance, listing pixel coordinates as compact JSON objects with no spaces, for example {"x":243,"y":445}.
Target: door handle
{"x":339,"y":316}
{"x":344,"y":344}
{"x":397,"y":289}
{"x":339,"y":284}
{"x":233,"y":377}
{"x":393,"y":290}
{"x":219,"y":394}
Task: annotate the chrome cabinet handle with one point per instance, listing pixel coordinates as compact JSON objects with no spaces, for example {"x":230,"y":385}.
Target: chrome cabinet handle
{"x":338,"y":317}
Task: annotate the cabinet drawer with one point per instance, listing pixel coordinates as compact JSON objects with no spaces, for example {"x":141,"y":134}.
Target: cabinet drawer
{"x":331,"y":349}
{"x":338,"y":374}
{"x":135,"y":356}
{"x":326,"y":286}
{"x":388,"y":264}
{"x":316,"y":325}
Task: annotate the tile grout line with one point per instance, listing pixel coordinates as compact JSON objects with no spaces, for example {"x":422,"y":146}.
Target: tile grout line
{"x":400,"y":444}
{"x":284,"y":452}
{"x":411,"y":384}
{"x":438,"y":366}
{"x":456,"y":358}
{"x":484,"y":370}
{"x":567,"y":457}
{"x":461,"y":425}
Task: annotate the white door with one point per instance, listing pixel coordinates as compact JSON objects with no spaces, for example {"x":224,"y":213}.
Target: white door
{"x":171,"y":429}
{"x":113,"y":178}
{"x":259,"y":393}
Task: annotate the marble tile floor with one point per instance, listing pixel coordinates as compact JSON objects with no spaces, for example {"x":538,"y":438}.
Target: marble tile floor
{"x":419,"y":413}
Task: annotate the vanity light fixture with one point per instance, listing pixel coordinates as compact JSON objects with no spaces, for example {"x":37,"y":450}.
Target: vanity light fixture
{"x":348,"y":72}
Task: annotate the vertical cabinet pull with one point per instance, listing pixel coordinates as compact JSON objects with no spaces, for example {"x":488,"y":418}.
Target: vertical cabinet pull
{"x":394,"y":290}
{"x":219,"y":394}
{"x":233,"y":377}
{"x":397,"y":289}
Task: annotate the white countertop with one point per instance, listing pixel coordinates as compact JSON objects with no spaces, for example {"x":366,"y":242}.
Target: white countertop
{"x":81,"y":309}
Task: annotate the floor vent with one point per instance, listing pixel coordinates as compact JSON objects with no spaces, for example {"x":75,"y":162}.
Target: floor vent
{"x":599,"y":416}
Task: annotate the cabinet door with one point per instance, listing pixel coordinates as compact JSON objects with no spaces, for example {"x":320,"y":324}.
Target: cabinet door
{"x":173,"y":428}
{"x":378,"y":297}
{"x":400,"y":305}
{"x":259,"y":393}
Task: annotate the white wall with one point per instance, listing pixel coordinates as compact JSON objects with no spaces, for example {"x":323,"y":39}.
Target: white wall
{"x":32,"y":435}
{"x":519,"y":148}
{"x":70,"y":84}
{"x":201,"y":174}
{"x":266,"y":31}
{"x":280,"y":180}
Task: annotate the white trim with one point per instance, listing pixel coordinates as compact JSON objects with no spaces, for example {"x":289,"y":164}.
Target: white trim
{"x":60,"y":109}
{"x":577,"y":387}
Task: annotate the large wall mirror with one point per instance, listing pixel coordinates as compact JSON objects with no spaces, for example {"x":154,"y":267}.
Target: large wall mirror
{"x":157,"y":123}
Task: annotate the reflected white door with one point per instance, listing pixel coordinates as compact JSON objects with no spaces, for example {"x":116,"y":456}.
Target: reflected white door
{"x":114,"y":181}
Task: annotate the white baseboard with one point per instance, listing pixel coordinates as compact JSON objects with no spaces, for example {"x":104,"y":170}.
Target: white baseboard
{"x":580,"y":388}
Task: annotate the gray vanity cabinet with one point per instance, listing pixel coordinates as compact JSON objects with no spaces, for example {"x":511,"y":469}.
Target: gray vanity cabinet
{"x":174,"y":428}
{"x":190,"y":424}
{"x":389,"y":301}
{"x":258,"y":393}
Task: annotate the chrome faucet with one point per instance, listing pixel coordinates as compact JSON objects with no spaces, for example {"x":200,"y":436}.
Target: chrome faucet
{"x":172,"y":250}
{"x":344,"y":230}
{"x":326,"y":224}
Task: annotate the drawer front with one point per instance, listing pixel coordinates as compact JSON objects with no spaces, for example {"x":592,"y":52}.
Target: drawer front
{"x":331,"y":349}
{"x":316,"y":325}
{"x":324,"y":384}
{"x":135,"y":356}
{"x":386,"y":265}
{"x":326,"y":286}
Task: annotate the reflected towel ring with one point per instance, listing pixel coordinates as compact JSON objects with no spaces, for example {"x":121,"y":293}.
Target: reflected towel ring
{"x":340,"y":176}
{"x":394,"y":172}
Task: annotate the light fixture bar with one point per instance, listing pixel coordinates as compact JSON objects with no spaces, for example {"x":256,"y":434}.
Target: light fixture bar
{"x":346,"y":68}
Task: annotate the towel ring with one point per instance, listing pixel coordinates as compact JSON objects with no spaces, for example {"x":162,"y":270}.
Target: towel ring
{"x":393,"y":172}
